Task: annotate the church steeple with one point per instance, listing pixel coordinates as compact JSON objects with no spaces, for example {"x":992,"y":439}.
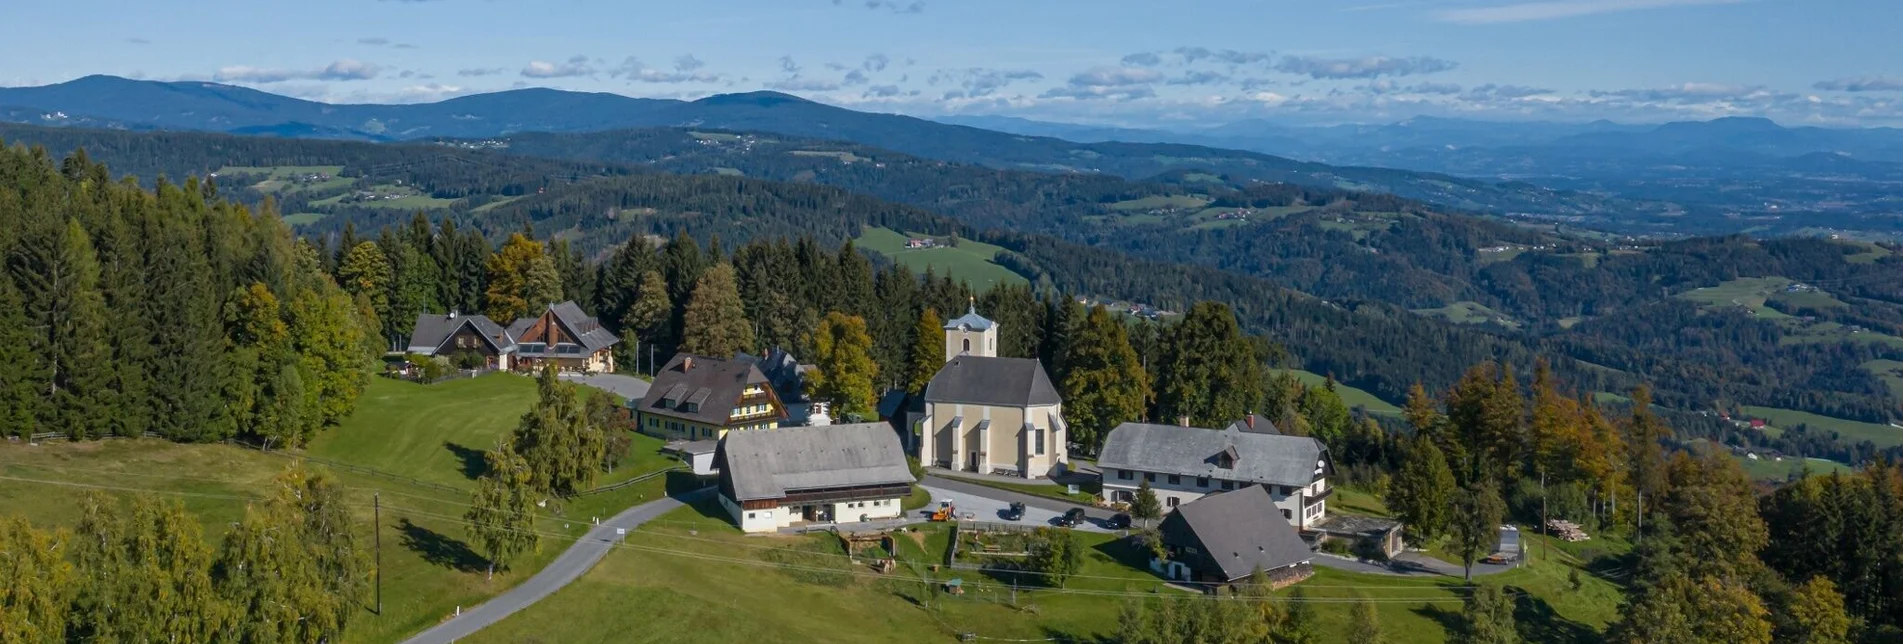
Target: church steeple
{"x":971,"y":335}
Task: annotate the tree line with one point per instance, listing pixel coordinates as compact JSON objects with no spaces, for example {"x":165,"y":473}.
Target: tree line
{"x":125,"y":311}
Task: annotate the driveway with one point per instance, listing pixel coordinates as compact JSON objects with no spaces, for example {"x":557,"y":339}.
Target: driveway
{"x":627,"y":387}
{"x":985,"y":506}
{"x":566,"y":568}
{"x":1406,"y":564}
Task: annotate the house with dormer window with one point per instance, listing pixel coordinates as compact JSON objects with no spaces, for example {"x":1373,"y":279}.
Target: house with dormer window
{"x":701,"y":398}
{"x":1183,"y":464}
{"x":562,"y":335}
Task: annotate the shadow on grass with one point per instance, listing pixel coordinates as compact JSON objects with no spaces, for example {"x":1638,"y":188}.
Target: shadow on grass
{"x":681,"y":482}
{"x":1126,"y":552}
{"x":1538,"y":622}
{"x":709,"y":507}
{"x":439,"y":549}
{"x":473,"y":460}
{"x":1449,"y":618}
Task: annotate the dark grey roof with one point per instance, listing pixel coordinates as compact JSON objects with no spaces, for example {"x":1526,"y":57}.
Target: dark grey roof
{"x":1260,"y":425}
{"x":715,"y":383}
{"x":432,"y":330}
{"x":588,"y":332}
{"x":1191,"y":451}
{"x":1243,"y":531}
{"x":970,"y":320}
{"x":782,"y":369}
{"x":771,"y":463}
{"x":1004,"y":382}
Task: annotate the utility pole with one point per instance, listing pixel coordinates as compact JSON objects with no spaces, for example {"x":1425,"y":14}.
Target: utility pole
{"x":376,"y":503}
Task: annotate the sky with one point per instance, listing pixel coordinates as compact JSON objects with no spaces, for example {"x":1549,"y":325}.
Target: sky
{"x":1136,"y":63}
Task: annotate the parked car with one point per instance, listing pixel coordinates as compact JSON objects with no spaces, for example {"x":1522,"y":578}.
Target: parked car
{"x":1119,"y":522}
{"x":1015,"y":512}
{"x":1072,"y":519}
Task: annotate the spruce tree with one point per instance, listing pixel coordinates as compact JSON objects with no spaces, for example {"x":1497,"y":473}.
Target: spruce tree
{"x":1105,"y":384}
{"x":927,"y":353}
{"x":1422,"y":493}
{"x":25,"y":378}
{"x":365,"y":271}
{"x":1145,"y":506}
{"x":61,"y":289}
{"x":188,"y":377}
{"x":714,"y":322}
{"x":1209,"y":371}
{"x":646,"y":318}
{"x":845,"y":370}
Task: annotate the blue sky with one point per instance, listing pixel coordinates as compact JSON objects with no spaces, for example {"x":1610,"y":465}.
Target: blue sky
{"x":1184,"y":63}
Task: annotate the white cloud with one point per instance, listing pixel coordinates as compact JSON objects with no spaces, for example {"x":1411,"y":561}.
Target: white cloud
{"x":1371,"y":67}
{"x":575,"y":66}
{"x":1862,"y":84}
{"x":1557,"y":9}
{"x":1114,"y":77}
{"x":632,"y":69}
{"x":342,"y":70}
{"x":480,"y":71}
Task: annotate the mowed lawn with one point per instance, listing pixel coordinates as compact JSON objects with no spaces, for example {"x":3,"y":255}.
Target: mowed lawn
{"x":969,"y":261}
{"x":435,"y":433}
{"x":691,"y":577}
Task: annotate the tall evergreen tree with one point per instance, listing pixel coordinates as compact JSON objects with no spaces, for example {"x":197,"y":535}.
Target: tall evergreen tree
{"x":542,"y":285}
{"x":1105,"y":384}
{"x":60,"y":284}
{"x":22,"y":383}
{"x":187,"y":334}
{"x":647,"y":316}
{"x":927,"y":353}
{"x":1423,"y":492}
{"x":714,"y":322}
{"x":845,"y":370}
{"x":1209,"y":371}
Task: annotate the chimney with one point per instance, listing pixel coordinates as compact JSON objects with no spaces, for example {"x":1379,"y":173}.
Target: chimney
{"x":1250,"y":419}
{"x":1183,"y":420}
{"x":687,"y":363}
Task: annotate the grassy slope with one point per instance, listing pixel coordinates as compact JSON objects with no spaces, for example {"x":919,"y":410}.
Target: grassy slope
{"x":692,"y":578}
{"x":1882,"y":435}
{"x":969,"y":261}
{"x":1350,"y":395}
{"x":429,"y":568}
{"x":1891,"y":371}
{"x":1780,"y":471}
{"x":1465,"y":312}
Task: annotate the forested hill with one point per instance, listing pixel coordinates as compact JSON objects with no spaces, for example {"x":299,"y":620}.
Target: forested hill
{"x":1641,"y":316}
{"x":104,"y":101}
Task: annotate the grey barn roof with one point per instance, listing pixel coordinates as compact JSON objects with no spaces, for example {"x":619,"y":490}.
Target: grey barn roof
{"x":770,"y":464}
{"x":1002,"y":382}
{"x":716,"y":384}
{"x":1191,"y":451}
{"x":432,"y":330}
{"x":1243,"y":531}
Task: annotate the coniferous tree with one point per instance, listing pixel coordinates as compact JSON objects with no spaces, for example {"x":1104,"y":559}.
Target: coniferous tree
{"x":413,"y":290}
{"x":620,"y":283}
{"x":1208,"y":370}
{"x":927,"y":354}
{"x":542,"y":285}
{"x":1145,"y":506}
{"x":715,"y":322}
{"x":122,"y":281}
{"x":365,"y":271}
{"x":1364,"y":626}
{"x":188,"y":377}
{"x":1299,"y":623}
{"x":647,"y":316}
{"x":1488,"y":618}
{"x":1475,"y":523}
{"x":845,"y":370}
{"x":1423,"y":492}
{"x":60,"y":284}
{"x":23,"y":382}
{"x":502,"y":514}
{"x":1105,"y":384}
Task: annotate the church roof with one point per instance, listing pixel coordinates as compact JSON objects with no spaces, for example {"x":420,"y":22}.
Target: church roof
{"x":970,"y":321}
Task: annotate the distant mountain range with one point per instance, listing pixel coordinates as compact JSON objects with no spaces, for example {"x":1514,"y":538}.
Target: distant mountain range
{"x":111,"y":102}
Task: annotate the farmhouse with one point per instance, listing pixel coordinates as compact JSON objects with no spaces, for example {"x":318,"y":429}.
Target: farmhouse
{"x":828,"y":474}
{"x":1183,"y":464}
{"x":702,"y":398}
{"x":987,"y":414}
{"x":1226,"y":537}
{"x":562,"y":335}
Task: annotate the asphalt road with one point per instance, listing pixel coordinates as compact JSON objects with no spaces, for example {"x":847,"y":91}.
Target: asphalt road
{"x":1005,"y":497}
{"x":627,"y":387}
{"x":984,"y":508}
{"x":566,"y":568}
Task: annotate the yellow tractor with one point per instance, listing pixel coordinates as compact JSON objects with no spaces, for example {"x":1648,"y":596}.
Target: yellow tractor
{"x":945,"y":511}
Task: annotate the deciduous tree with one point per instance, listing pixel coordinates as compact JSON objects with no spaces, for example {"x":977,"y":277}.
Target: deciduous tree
{"x":502,"y":514}
{"x":927,"y":353}
{"x":845,"y":370}
{"x":1475,"y":523}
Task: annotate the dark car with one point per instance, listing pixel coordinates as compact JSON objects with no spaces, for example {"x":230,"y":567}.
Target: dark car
{"x":1072,"y":519}
{"x":1119,"y":522}
{"x":1014,"y":513}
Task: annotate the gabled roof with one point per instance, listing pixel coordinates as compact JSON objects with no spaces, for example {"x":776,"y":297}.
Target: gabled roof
{"x":586,"y":330}
{"x":1240,"y":532}
{"x":971,"y":321}
{"x":1003,"y":382}
{"x":770,"y":464}
{"x":1191,"y":451}
{"x":432,"y":330}
{"x":714,"y":385}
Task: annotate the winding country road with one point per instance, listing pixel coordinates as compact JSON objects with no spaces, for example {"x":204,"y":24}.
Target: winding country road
{"x":566,"y":568}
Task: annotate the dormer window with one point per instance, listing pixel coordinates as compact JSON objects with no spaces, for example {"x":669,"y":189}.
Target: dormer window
{"x":1226,"y":459}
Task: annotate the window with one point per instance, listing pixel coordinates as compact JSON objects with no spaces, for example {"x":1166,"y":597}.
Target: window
{"x":1173,"y":501}
{"x":967,"y":345}
{"x":1228,"y":485}
{"x":1287,"y":490}
{"x":1126,"y":475}
{"x":1202,"y":481}
{"x":1286,"y":515}
{"x":1149,"y":476}
{"x":1176,"y":480}
{"x":1189,"y":549}
{"x":1040,"y":441}
{"x":750,"y":515}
